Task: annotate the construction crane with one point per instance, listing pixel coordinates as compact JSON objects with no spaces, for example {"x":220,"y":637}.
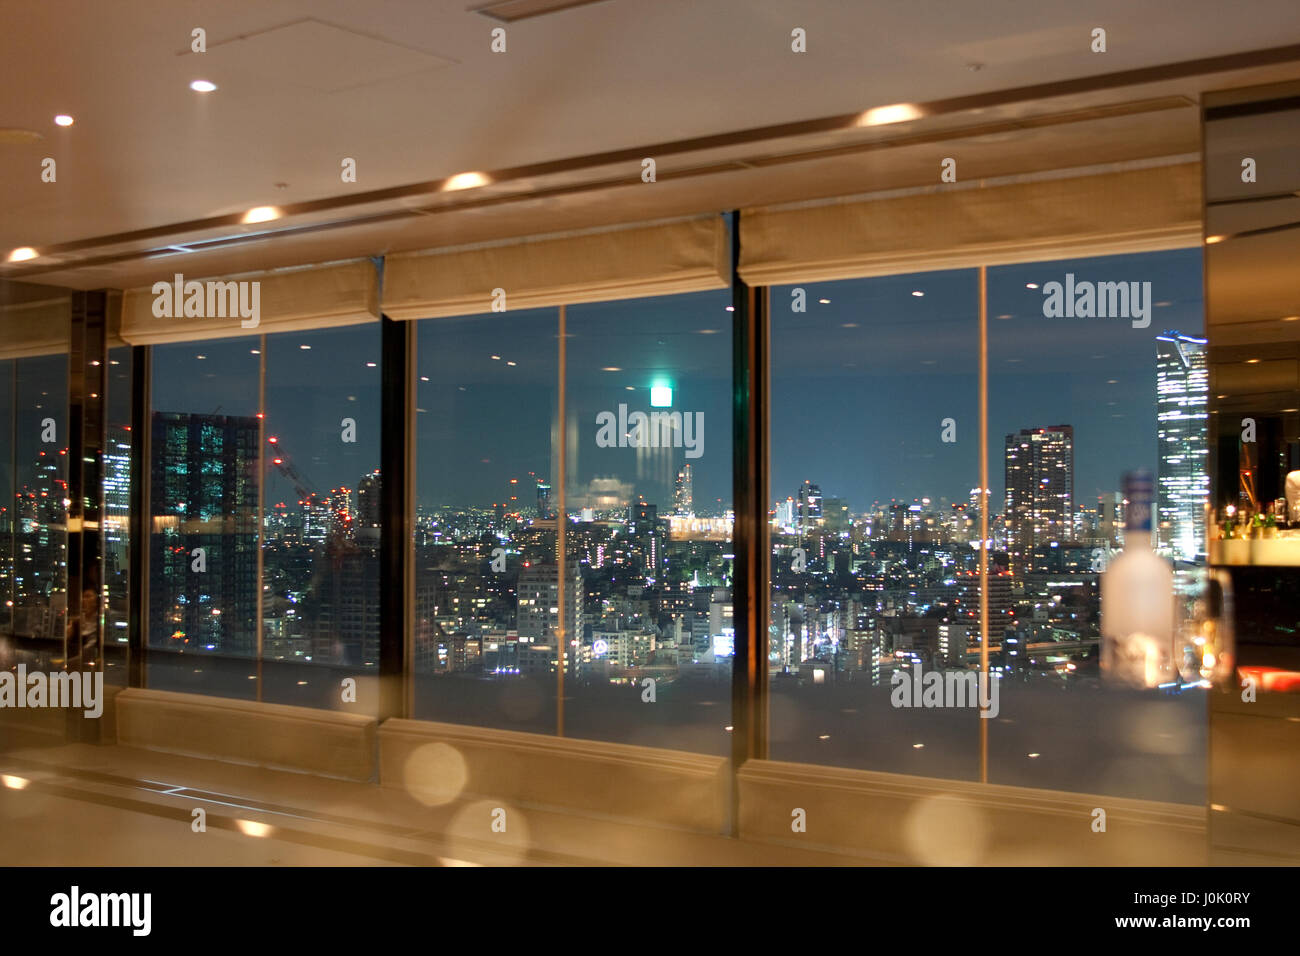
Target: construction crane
{"x":337,"y":544}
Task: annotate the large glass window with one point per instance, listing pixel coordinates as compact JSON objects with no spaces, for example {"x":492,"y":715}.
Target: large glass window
{"x":38,"y":524}
{"x":1096,"y":368}
{"x":486,"y":579}
{"x":876,"y":527}
{"x":646,"y":512}
{"x":874,"y":455}
{"x":203,"y":561}
{"x":265,"y":523}
{"x":650,"y":520}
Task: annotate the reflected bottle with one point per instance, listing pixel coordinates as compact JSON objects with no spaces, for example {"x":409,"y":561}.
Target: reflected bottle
{"x":1137,"y":599}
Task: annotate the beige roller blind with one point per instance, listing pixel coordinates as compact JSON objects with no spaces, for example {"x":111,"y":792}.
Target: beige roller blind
{"x":287,"y":300}
{"x":36,"y":328}
{"x":1135,"y":210}
{"x":596,"y":266}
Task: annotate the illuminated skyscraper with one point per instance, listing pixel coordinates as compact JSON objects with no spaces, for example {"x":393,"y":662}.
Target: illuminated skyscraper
{"x":204,"y":496}
{"x":1040,"y":489}
{"x":809,"y":506}
{"x":1182,"y":391}
{"x":683,"y":493}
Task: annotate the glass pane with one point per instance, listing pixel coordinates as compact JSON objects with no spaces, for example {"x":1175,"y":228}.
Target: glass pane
{"x":40,"y":446}
{"x":650,"y":518}
{"x":1099,"y":374}
{"x":874,"y":458}
{"x":485,"y":528}
{"x":320,"y":574}
{"x":203,"y":517}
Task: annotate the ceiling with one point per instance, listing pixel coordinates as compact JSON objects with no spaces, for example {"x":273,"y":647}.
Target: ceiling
{"x":411,"y":90}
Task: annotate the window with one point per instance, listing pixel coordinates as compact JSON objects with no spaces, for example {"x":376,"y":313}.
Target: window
{"x":645,"y":511}
{"x":876,"y":525}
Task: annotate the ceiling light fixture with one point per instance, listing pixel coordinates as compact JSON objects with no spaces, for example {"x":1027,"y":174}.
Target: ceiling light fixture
{"x":23,"y":254}
{"x":894,"y":113}
{"x":203,"y":86}
{"x":261,"y":214}
{"x":63,"y":119}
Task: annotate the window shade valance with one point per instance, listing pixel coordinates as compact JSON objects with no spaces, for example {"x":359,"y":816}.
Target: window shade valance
{"x":598,"y":266}
{"x":288,"y":300}
{"x":1135,"y":210}
{"x":36,"y":328}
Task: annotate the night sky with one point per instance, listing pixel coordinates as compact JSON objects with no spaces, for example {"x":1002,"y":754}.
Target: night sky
{"x":859,"y":387}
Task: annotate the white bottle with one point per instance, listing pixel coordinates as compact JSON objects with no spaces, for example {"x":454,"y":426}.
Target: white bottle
{"x":1137,"y":599}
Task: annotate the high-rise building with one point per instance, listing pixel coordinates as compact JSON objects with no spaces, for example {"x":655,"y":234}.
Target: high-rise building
{"x":1039,"y":489}
{"x":683,"y":493}
{"x":1182,"y":418}
{"x":203,"y":550}
{"x":538,"y":594}
{"x":809,"y":506}
{"x":544,"y":500}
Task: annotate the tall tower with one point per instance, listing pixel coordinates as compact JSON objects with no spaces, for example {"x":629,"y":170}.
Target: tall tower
{"x":1040,"y":489}
{"x":1182,"y":418}
{"x":683,"y":493}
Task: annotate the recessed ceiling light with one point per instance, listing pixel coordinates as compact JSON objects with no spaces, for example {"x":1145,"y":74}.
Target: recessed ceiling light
{"x":305,"y":348}
{"x":261,"y":214}
{"x":824,"y":301}
{"x":1252,"y":361}
{"x":849,"y":325}
{"x":466,"y":181}
{"x":1290,"y":318}
{"x":918,"y":293}
{"x":611,"y":368}
{"x":1211,"y":240}
{"x":203,"y":86}
{"x":496,"y":358}
{"x":1031,"y":285}
{"x":63,"y":119}
{"x":731,"y":308}
{"x":22,"y":254}
{"x":883,"y":115}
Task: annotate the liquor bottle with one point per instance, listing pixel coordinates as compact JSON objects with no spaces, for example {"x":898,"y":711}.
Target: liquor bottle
{"x":1137,"y":599}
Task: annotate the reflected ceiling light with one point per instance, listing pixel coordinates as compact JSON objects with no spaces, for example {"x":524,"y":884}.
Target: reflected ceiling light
{"x":253,"y":828}
{"x":1252,"y":361}
{"x":611,"y":368}
{"x":1031,"y":285}
{"x":203,"y":86}
{"x":15,"y":783}
{"x":661,"y":396}
{"x":1290,"y":318}
{"x":261,"y":214}
{"x":63,"y":119}
{"x":496,"y":358}
{"x":824,"y":301}
{"x":22,"y":254}
{"x":894,"y":113}
{"x":12,"y":136}
{"x":466,"y":181}
{"x":849,"y":325}
{"x":305,"y":348}
{"x":511,"y":363}
{"x":1211,"y":240}
{"x":918,"y":293}
{"x":370,"y":365}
